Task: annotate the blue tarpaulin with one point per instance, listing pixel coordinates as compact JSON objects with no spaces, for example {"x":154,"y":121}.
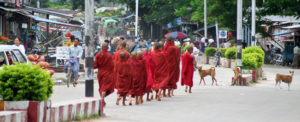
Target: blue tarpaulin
{"x":283,"y":33}
{"x":48,"y":21}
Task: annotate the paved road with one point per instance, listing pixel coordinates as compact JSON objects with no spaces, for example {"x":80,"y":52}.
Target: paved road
{"x":257,"y":103}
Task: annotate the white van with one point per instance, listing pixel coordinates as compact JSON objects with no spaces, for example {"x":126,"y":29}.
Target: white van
{"x":10,"y":54}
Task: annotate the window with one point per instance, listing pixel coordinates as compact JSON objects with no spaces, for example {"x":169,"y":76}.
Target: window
{"x":19,"y":56}
{"x":13,"y":56}
{"x":2,"y":59}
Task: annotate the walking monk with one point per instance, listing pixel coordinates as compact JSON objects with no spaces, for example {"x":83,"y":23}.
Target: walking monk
{"x":134,"y":90}
{"x":116,"y":56}
{"x":173,"y":58}
{"x":104,"y":64}
{"x":143,"y":75}
{"x":124,"y":78}
{"x":150,"y":69}
{"x":188,"y":62}
{"x":161,"y":71}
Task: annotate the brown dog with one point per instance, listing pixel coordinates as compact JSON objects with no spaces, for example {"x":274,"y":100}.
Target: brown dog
{"x":284,"y":78}
{"x":204,"y":73}
{"x":237,"y":76}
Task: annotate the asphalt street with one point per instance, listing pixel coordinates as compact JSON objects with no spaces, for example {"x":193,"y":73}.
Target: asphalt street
{"x":259,"y":102}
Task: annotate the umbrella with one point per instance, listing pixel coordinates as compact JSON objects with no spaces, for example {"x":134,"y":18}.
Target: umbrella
{"x":109,"y":21}
{"x":175,"y":35}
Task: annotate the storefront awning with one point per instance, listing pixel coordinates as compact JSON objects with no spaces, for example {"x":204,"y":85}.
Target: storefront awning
{"x":202,"y":29}
{"x":36,"y":18}
{"x":45,"y":11}
{"x":292,"y":27}
{"x":283,"y":33}
{"x":9,"y":9}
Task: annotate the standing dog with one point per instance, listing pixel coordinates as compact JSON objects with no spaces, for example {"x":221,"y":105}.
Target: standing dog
{"x":236,"y":77}
{"x":204,"y":73}
{"x":284,"y":78}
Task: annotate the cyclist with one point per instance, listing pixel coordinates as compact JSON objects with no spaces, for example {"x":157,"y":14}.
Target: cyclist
{"x":75,"y":52}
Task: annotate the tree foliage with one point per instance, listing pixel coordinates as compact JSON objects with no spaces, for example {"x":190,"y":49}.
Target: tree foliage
{"x":281,"y":7}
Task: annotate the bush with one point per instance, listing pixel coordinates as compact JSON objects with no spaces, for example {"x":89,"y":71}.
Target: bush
{"x":253,"y":53}
{"x":25,"y":82}
{"x":223,"y":50}
{"x":210,"y":51}
{"x":231,"y":53}
{"x":254,"y":49}
{"x":249,"y":61}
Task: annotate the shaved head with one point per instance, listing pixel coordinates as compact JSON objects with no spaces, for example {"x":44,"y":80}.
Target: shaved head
{"x":122,"y":55}
{"x":145,"y":50}
{"x":123,"y":44}
{"x":190,"y":49}
{"x":104,"y":45}
{"x":157,"y":45}
{"x":139,"y":53}
{"x":133,"y":54}
{"x":169,"y":38}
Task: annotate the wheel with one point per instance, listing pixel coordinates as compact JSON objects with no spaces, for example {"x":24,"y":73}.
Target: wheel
{"x":69,"y":76}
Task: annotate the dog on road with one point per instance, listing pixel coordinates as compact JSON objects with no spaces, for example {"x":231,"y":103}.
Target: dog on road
{"x":284,"y":78}
{"x":204,"y":73}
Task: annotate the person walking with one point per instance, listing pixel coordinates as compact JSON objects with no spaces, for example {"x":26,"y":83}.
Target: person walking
{"x":296,"y":56}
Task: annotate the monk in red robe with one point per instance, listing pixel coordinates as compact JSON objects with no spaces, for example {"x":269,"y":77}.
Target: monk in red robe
{"x":173,"y":58}
{"x":188,"y":62}
{"x":161,"y":71}
{"x":124,"y":78}
{"x":150,"y":69}
{"x":134,"y":90}
{"x":116,"y":56}
{"x":104,"y":64}
{"x":143,"y":75}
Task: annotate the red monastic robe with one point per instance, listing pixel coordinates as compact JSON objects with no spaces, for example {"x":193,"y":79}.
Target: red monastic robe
{"x":104,"y":64}
{"x":135,"y":77}
{"x":187,"y":69}
{"x":117,"y":55}
{"x":143,"y":78}
{"x":161,"y":70}
{"x":173,"y":58}
{"x":150,"y":70}
{"x":124,"y":77}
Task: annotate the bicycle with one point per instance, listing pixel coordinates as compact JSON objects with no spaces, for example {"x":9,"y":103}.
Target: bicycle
{"x":70,"y":75}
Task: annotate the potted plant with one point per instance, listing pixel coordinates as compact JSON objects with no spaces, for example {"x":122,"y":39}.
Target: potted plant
{"x":209,"y":52}
{"x":230,"y":55}
{"x":26,"y":87}
{"x":253,"y":59}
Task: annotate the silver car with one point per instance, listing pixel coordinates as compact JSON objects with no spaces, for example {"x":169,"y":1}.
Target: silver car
{"x":10,"y":54}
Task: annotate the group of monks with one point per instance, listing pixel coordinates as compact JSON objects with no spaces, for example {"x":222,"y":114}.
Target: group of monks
{"x":142,"y":72}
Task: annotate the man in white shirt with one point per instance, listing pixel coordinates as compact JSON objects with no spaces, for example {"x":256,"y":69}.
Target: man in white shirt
{"x":296,"y":57}
{"x":19,"y":45}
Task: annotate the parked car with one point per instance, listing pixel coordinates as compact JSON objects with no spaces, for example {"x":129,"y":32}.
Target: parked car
{"x":10,"y":54}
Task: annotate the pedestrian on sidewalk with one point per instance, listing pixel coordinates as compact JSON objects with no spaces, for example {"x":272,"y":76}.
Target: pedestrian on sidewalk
{"x":104,"y":64}
{"x":188,"y":62}
{"x":296,"y":56}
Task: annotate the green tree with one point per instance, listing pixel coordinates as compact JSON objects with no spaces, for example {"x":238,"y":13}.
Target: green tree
{"x":281,"y":7}
{"x":43,"y":3}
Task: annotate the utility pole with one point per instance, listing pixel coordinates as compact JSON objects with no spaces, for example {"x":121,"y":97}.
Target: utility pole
{"x":217,"y":35}
{"x":136,"y":17}
{"x":239,"y":32}
{"x":89,"y":48}
{"x":253,"y":42}
{"x":205,"y":23}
